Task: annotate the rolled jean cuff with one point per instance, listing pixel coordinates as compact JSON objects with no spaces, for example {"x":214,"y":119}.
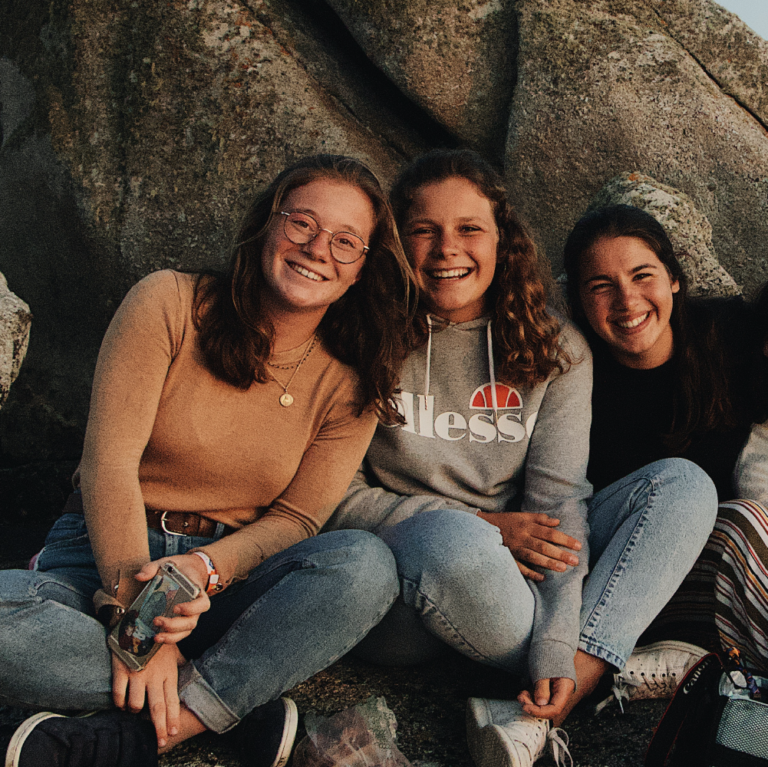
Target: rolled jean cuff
{"x":599,"y":651}
{"x":199,"y":697}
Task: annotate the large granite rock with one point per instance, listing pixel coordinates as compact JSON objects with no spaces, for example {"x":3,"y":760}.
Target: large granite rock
{"x":132,"y":135}
{"x":726,"y":48}
{"x":689,"y":231}
{"x":15,"y":323}
{"x":454,"y":59}
{"x":603,"y":87}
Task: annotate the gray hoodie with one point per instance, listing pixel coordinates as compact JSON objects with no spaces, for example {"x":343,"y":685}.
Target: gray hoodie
{"x":464,"y":448}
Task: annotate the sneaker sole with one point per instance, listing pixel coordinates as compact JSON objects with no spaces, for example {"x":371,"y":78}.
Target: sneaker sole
{"x":289,"y":733}
{"x":478,"y":717}
{"x":497,"y":749}
{"x":489,"y":745}
{"x":23,"y":731}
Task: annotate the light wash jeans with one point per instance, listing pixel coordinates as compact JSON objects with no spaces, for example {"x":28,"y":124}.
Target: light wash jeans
{"x":460,"y":585}
{"x":298,"y":612}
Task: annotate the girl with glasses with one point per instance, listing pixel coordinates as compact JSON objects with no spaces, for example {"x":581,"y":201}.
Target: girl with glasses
{"x":229,"y":412}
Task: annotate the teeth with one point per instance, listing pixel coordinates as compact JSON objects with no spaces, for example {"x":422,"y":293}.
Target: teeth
{"x":633,"y":323}
{"x":442,"y":274}
{"x":305,"y":272}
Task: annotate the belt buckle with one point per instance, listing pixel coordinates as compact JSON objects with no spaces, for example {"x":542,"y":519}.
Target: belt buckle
{"x":164,"y":528}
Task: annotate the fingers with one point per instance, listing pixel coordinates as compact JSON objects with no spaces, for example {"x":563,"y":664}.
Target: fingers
{"x":119,"y":682}
{"x":544,"y":554}
{"x":541,"y":692}
{"x":200,"y":604}
{"x":182,"y":624}
{"x":525,"y":698}
{"x":562,"y":689}
{"x":149,"y":571}
{"x":551,"y":704}
{"x":561,"y":539}
{"x":528,"y":573}
{"x":164,"y":708}
{"x":537,"y":704}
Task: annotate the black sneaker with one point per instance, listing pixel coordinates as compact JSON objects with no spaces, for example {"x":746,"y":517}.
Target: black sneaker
{"x":265,"y":737}
{"x":106,"y":739}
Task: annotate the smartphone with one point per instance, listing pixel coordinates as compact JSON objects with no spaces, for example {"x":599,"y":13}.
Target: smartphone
{"x":133,"y":639}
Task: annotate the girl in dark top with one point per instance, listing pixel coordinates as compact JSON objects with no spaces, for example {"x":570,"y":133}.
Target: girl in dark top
{"x":672,"y":377}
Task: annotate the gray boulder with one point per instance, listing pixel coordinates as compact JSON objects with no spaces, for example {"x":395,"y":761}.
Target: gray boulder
{"x":689,"y":230}
{"x":456,"y":60}
{"x":726,"y":48}
{"x":605,"y":86}
{"x":133,"y":134}
{"x":15,"y":323}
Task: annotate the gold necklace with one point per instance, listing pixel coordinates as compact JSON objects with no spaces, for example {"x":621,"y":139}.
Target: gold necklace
{"x":286,"y":400}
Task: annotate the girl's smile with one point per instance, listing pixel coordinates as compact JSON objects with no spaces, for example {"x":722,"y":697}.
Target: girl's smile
{"x":627,"y":295}
{"x":451,"y":239}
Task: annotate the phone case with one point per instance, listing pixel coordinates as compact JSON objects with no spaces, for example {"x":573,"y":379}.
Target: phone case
{"x":133,"y":639}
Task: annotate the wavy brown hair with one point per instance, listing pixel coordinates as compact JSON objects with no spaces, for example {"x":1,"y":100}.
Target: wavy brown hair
{"x":702,"y":399}
{"x":367,"y":328}
{"x":525,"y":335}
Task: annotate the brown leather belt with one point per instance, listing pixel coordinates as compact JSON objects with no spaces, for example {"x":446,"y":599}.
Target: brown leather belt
{"x":184,"y":523}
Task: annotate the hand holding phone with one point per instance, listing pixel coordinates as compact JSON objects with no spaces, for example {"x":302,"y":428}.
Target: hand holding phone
{"x":133,"y":639}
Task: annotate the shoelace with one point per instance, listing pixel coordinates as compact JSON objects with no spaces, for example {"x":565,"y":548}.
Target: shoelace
{"x":558,"y":742}
{"x":665,"y":684}
{"x":520,"y":732}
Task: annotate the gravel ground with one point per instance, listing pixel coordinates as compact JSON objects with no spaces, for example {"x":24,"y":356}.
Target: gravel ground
{"x":427,"y":700}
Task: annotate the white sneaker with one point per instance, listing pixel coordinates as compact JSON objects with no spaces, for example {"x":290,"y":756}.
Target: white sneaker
{"x":653,"y":671}
{"x":501,"y":734}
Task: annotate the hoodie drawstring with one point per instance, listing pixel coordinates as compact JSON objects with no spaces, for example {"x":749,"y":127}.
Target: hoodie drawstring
{"x":429,"y":356}
{"x":491,"y":367}
{"x":492,"y":372}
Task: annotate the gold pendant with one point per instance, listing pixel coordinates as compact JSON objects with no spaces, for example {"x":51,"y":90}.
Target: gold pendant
{"x":286,"y":400}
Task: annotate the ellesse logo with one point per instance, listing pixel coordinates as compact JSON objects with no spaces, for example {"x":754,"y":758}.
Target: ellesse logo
{"x":506,"y":397}
{"x":480,"y":427}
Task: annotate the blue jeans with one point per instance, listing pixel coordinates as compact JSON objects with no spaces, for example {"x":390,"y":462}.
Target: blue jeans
{"x":298,"y":612}
{"x":461,"y":586}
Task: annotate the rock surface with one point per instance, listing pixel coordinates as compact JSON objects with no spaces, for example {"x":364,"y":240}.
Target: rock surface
{"x":454,"y":59}
{"x":15,"y":324}
{"x":133,"y":134}
{"x":603,"y":88}
{"x":688,"y":230}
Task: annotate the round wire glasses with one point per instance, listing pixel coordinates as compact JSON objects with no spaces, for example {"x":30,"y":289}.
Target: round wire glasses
{"x":301,"y":228}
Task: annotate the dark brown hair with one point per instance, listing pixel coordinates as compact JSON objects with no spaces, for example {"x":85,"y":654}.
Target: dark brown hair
{"x":366,"y":328}
{"x":525,"y":334}
{"x":701,"y":399}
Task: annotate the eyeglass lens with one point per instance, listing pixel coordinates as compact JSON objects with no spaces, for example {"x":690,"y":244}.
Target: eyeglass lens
{"x":301,"y":228}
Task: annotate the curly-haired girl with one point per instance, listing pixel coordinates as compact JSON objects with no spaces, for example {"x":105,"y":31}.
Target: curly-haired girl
{"x":484,"y":489}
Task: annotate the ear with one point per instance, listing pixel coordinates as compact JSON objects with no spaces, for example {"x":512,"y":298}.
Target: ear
{"x":359,"y":274}
{"x":675,"y":286}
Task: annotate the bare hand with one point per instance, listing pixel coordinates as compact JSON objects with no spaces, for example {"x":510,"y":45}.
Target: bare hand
{"x":533,"y":540}
{"x":549,"y":698}
{"x":175,"y":629}
{"x":156,"y":684}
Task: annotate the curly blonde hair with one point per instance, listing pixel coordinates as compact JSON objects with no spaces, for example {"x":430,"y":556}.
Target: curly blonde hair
{"x":526,"y":337}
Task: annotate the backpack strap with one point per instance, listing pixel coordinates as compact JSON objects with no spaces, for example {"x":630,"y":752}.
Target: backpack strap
{"x":700,"y":679}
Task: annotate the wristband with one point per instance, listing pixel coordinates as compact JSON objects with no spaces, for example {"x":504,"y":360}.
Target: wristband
{"x":213,"y":586}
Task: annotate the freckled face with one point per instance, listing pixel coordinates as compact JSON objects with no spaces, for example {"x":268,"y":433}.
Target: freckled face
{"x":451,"y":239}
{"x":627,"y":295}
{"x":306,"y":278}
